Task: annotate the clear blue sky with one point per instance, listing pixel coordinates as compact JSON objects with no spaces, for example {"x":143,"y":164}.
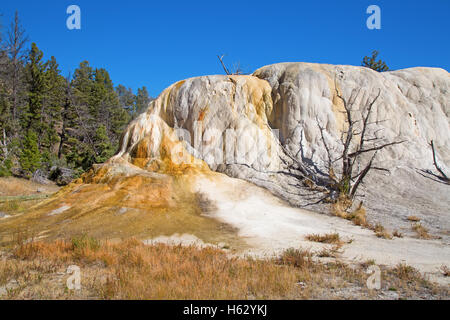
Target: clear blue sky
{"x":155,"y":43}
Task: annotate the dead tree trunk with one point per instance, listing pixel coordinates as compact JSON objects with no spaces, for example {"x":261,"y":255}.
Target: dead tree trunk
{"x":442,"y":176}
{"x":360,"y":146}
{"x":351,"y":178}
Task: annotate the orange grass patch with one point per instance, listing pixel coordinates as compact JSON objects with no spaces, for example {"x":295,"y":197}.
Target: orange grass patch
{"x":133,"y":270}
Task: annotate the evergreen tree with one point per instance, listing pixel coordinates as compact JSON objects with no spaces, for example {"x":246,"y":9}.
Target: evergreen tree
{"x":142,"y":100}
{"x":45,"y":118}
{"x":54,"y":102}
{"x":36,"y":83}
{"x":103,"y":95}
{"x":82,"y":80}
{"x":30,"y":157}
{"x":80,"y":148}
{"x":370,"y":62}
{"x":113,"y":115}
{"x":103,"y":145}
{"x":127,"y":98}
{"x":12,"y":55}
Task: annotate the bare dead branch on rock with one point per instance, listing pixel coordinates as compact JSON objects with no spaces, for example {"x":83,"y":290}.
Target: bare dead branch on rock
{"x":442,"y":176}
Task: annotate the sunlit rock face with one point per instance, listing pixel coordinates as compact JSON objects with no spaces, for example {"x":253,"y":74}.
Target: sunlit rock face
{"x":414,"y":105}
{"x":220,"y":121}
{"x":249,"y":127}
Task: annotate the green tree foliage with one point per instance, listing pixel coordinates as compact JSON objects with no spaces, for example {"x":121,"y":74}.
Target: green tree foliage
{"x":36,"y":87}
{"x":103,"y":145}
{"x":30,"y":157}
{"x":95,"y":115}
{"x":127,"y":98}
{"x":12,"y":93}
{"x":54,"y":102}
{"x":46,"y":119}
{"x":372,"y":63}
{"x":142,"y":100}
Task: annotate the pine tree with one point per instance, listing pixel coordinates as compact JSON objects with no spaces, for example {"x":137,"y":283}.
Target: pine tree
{"x":82,"y":83}
{"x":53,"y":106}
{"x":113,"y":115}
{"x":30,"y":157}
{"x":103,"y":144}
{"x":45,"y":117}
{"x":98,"y":117}
{"x":35,"y":80}
{"x":80,"y":125}
{"x":370,"y":62}
{"x":127,"y":98}
{"x":142,"y":100}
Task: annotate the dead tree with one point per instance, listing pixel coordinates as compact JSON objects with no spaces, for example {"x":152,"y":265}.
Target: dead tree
{"x":4,"y":145}
{"x":237,"y":67}
{"x":347,"y":167}
{"x":355,"y":144}
{"x":15,"y":43}
{"x":442,"y":176}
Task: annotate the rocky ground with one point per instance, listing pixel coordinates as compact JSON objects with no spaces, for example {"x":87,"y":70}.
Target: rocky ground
{"x":270,"y":225}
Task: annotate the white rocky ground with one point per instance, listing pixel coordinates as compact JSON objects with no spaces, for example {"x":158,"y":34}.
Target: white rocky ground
{"x":270,"y":225}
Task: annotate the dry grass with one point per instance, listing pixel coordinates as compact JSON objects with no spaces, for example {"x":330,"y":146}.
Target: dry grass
{"x":405,"y":278}
{"x":341,"y":209}
{"x":132,"y":270}
{"x":445,"y":271}
{"x":421,"y":231}
{"x":367,"y":263}
{"x":342,"y":205}
{"x":324,"y":238}
{"x":10,"y":206}
{"x":397,"y":234}
{"x":12,"y":186}
{"x":413,"y":218}
{"x":137,"y":271}
{"x":406,"y":272}
{"x":381,"y":232}
{"x":332,"y":252}
{"x":18,"y":195}
{"x":13,"y":207}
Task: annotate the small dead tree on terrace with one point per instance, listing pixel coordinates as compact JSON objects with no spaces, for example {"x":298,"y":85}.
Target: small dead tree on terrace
{"x":356,"y":141}
{"x":347,"y":166}
{"x":237,"y":67}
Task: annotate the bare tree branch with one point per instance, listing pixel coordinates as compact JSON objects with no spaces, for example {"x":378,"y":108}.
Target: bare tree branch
{"x":223,"y":65}
{"x":362,"y":175}
{"x":330,"y":160}
{"x":443,"y":175}
{"x":358,"y":152}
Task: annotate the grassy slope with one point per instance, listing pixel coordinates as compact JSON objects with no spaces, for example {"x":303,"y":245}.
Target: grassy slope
{"x":132,"y":270}
{"x":136,"y":206}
